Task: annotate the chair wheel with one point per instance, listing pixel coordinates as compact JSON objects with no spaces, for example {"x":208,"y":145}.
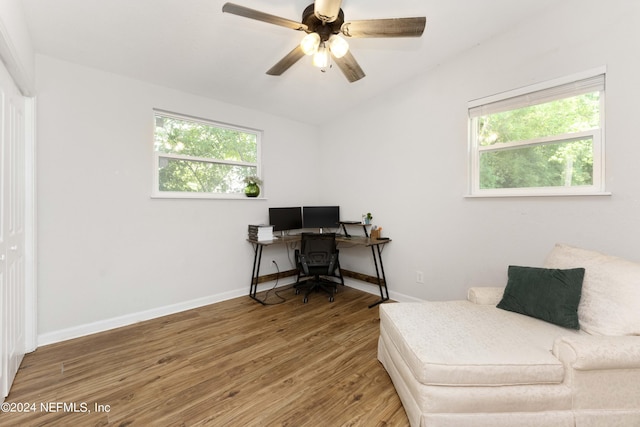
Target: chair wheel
{"x":305,"y":299}
{"x":297,"y":291}
{"x":330,"y":299}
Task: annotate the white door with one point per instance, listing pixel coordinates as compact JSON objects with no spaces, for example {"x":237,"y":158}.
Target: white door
{"x":12,"y":229}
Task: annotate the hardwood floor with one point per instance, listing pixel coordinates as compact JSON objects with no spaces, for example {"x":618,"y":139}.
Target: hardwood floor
{"x":234,"y":363}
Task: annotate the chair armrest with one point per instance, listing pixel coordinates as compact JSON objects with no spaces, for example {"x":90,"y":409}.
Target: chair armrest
{"x":302,"y":262}
{"x":485,"y":295}
{"x":593,"y":352}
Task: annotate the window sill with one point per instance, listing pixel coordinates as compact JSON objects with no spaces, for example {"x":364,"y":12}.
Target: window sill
{"x":541,"y":194}
{"x":203,"y":196}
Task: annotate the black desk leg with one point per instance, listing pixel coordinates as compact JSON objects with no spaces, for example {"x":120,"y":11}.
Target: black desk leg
{"x":382,"y":281}
{"x":255,"y":273}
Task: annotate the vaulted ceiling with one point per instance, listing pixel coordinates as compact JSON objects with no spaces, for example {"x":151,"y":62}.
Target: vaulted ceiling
{"x":190,"y":45}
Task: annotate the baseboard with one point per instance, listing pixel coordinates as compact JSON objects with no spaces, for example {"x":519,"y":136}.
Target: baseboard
{"x":375,"y":290}
{"x":130,"y":319}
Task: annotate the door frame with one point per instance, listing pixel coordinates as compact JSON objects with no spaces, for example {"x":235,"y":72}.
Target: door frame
{"x":25,"y":84}
{"x":30,"y":227}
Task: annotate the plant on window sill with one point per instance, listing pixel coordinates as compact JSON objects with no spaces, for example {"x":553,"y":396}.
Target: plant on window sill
{"x":252,"y":188}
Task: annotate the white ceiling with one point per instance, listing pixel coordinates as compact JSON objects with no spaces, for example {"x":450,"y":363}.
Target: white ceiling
{"x":190,"y":45}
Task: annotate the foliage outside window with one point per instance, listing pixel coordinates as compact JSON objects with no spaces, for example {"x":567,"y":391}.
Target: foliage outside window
{"x":546,"y":140}
{"x":200,"y":158}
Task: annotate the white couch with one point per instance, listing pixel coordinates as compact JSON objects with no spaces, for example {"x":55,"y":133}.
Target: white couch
{"x":469,"y":363}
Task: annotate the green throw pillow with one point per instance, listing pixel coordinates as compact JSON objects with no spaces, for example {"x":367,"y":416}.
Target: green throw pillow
{"x":552,"y":295}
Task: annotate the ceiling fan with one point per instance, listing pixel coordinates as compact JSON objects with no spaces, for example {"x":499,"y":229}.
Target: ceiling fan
{"x":323,"y":21}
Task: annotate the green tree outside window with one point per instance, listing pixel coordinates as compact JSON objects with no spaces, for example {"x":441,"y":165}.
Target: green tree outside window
{"x":204,"y":157}
{"x":511,"y":162}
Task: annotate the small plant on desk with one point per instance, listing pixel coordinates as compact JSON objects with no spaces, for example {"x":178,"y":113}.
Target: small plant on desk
{"x":366,"y":218}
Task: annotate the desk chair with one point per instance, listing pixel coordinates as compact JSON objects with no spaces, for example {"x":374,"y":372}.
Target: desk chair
{"x":317,"y":260}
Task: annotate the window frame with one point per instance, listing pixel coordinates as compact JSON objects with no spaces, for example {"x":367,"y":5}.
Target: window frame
{"x":156,"y":193}
{"x":512,"y":100}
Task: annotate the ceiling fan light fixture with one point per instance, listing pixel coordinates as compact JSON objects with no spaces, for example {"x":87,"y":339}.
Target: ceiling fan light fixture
{"x":321,"y":57}
{"x":310,"y":43}
{"x":338,"y":46}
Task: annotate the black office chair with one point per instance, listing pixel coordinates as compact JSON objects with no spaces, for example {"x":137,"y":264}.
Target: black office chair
{"x":317,"y":260}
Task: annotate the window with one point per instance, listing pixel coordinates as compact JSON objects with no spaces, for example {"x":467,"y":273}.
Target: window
{"x":546,"y":139}
{"x":200,"y":158}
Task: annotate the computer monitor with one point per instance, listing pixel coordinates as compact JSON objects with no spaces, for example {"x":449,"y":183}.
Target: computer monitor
{"x":284,"y":219}
{"x":321,"y":216}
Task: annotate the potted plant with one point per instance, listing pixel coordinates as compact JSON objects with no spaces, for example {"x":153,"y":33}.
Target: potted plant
{"x":366,"y":218}
{"x":252,"y":188}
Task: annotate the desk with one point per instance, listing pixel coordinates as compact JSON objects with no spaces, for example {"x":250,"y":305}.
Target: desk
{"x":363,"y":241}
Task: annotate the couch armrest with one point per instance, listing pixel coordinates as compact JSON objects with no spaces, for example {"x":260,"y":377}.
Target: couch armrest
{"x":485,"y":295}
{"x":593,"y":352}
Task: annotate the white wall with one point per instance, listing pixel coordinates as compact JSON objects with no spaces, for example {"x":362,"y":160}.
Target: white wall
{"x":411,"y":145}
{"x":106,"y":249}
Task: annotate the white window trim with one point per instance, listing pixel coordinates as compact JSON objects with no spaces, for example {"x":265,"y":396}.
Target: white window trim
{"x":157,"y":194}
{"x":474,"y":151}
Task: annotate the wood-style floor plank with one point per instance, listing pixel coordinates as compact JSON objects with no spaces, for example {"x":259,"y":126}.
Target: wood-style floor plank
{"x":234,"y":363}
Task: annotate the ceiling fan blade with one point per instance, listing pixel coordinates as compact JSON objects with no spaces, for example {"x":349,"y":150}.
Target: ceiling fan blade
{"x":393,"y":27}
{"x":327,"y":10}
{"x":285,"y":63}
{"x":261,"y":16}
{"x":349,"y":67}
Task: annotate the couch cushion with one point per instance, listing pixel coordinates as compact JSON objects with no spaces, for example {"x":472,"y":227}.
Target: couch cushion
{"x":550,"y":294}
{"x":610,"y":291}
{"x":459,"y":343}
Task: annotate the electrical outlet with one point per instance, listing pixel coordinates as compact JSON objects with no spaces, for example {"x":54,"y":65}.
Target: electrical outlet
{"x":419,"y":277}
